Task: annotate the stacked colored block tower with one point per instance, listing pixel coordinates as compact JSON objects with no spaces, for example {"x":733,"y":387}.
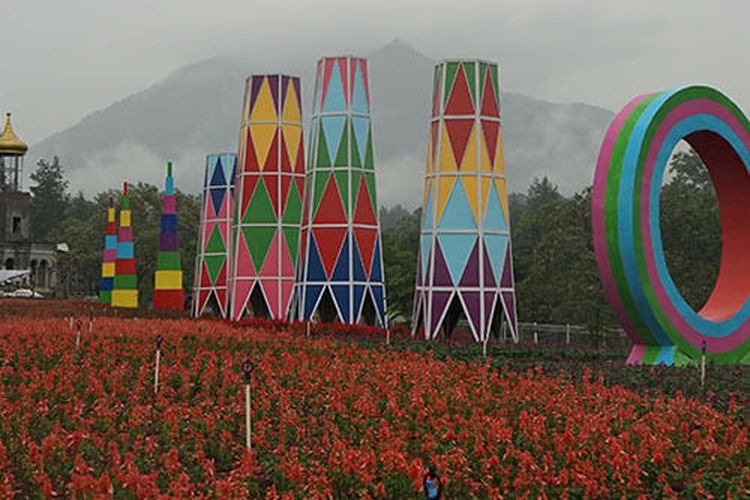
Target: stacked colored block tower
{"x":109,"y":256}
{"x":464,"y":264}
{"x":168,"y":292}
{"x":213,"y":256}
{"x":270,"y":186}
{"x":341,"y":271}
{"x":125,"y":291}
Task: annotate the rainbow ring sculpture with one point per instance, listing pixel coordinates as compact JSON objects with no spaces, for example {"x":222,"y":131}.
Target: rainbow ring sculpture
{"x":627,"y":238}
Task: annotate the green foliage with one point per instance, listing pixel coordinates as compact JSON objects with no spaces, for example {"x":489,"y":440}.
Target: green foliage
{"x":50,"y":201}
{"x":81,"y":223}
{"x":691,"y":228}
{"x":400,"y":242}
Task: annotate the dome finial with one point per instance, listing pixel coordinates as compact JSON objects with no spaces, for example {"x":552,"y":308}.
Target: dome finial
{"x":9,"y":141}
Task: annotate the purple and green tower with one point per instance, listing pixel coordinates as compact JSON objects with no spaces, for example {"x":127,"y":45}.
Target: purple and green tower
{"x":168,"y":293}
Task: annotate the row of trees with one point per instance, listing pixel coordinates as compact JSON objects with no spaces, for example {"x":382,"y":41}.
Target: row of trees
{"x":557,"y":280}
{"x":60,"y":217}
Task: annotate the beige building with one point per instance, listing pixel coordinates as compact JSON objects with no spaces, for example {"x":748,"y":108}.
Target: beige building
{"x":17,"y":250}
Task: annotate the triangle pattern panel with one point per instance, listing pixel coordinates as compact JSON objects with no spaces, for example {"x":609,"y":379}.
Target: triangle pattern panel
{"x":459,"y":131}
{"x":464,"y":247}
{"x":342,"y":296}
{"x":271,"y":207}
{"x":460,"y":101}
{"x":494,"y":218}
{"x":341,"y":209}
{"x":440,"y":301}
{"x":472,"y":308}
{"x":456,"y":248}
{"x":333,"y":99}
{"x":359,"y":95}
{"x":457,"y":213}
{"x":440,"y":273}
{"x":496,"y":245}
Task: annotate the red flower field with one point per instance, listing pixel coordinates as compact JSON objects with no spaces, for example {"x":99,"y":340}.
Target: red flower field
{"x":331,"y":419}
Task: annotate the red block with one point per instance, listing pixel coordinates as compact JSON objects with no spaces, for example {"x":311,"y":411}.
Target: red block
{"x":125,"y":267}
{"x":169,"y":299}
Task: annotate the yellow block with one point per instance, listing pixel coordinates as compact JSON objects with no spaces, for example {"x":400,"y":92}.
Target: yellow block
{"x":125,"y":298}
{"x":108,"y":269}
{"x":125,"y":218}
{"x":168,"y":280}
{"x":110,"y":215}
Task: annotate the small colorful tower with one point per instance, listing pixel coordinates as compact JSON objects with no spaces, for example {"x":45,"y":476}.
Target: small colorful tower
{"x":464,"y":264}
{"x":109,"y":256}
{"x":341,"y":272}
{"x":125,"y":290}
{"x":212,"y":259}
{"x":168,"y":292}
{"x":270,"y":186}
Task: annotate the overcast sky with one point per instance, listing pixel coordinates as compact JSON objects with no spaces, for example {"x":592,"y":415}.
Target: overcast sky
{"x":60,"y":60}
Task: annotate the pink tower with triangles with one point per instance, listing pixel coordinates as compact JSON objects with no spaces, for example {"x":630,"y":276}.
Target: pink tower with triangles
{"x":212,"y":260}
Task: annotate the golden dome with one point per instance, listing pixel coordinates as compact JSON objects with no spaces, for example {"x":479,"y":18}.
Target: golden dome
{"x":9,"y":141}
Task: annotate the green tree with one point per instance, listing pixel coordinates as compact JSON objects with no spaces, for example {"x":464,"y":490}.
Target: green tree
{"x":400,"y":243}
{"x":691,"y":228}
{"x":50,"y":200}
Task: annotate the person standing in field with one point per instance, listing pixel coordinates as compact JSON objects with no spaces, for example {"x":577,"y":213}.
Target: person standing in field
{"x":433,"y":487}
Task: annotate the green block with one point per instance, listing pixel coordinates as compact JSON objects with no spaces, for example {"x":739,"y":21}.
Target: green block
{"x":126,"y":282}
{"x":105,"y":297}
{"x":168,"y":261}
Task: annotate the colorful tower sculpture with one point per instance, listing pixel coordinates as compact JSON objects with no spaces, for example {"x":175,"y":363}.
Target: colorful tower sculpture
{"x":464,"y":262}
{"x":270,"y":186}
{"x":109,"y":256}
{"x":125,"y":290}
{"x":341,"y":272}
{"x":212,"y":259}
{"x":168,"y":292}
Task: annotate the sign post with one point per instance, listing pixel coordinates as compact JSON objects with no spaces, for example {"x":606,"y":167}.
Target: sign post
{"x":159,"y":340}
{"x":703,"y":364}
{"x":247,"y":370}
{"x":78,"y":333}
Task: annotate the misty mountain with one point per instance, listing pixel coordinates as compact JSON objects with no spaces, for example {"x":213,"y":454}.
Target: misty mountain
{"x":196,"y":111}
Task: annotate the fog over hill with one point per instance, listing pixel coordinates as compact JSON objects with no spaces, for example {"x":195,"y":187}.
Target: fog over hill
{"x":196,"y":111}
